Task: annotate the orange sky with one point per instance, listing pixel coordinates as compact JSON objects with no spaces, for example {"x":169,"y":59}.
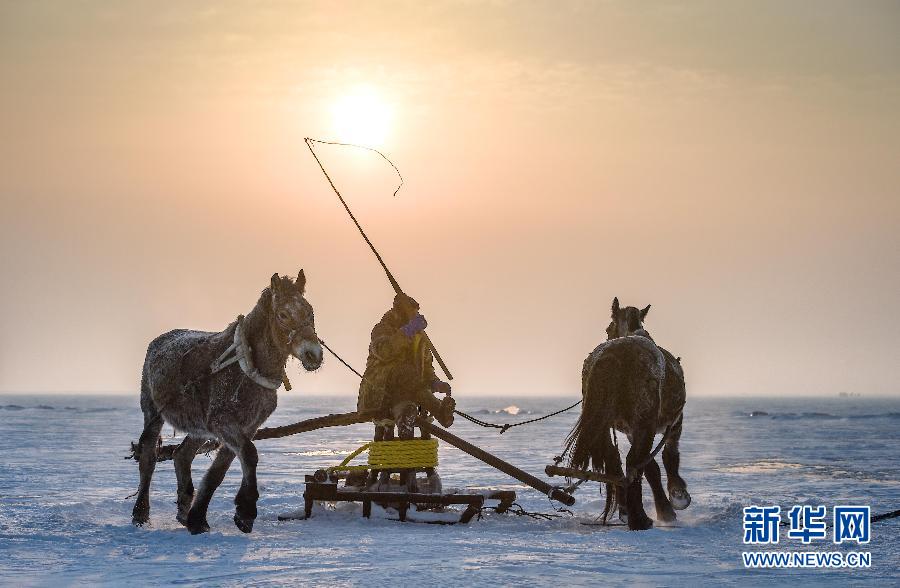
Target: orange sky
{"x":736,"y":165}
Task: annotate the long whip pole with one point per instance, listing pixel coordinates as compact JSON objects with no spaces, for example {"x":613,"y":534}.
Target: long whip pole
{"x":384,"y":266}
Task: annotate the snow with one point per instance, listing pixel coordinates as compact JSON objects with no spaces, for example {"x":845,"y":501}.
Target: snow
{"x":65,"y":518}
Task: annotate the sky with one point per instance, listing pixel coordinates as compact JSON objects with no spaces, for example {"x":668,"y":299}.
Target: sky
{"x":734,"y":164}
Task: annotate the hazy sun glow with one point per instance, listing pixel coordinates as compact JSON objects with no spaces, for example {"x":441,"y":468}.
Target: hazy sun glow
{"x":361,"y":117}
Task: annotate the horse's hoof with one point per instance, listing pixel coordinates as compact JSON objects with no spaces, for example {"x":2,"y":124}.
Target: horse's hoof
{"x":666,"y":515}
{"x":640,"y":523}
{"x":680,"y":498}
{"x":196,"y":524}
{"x":140,"y":517}
{"x":245,"y":525}
{"x":182,"y":518}
{"x":197,"y":529}
{"x":623,"y":516}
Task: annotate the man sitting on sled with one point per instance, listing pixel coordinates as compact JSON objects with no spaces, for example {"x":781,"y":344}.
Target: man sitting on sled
{"x":399,"y":380}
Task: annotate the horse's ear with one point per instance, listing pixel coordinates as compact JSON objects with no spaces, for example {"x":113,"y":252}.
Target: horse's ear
{"x":615,"y":307}
{"x":276,"y":282}
{"x":301,"y":282}
{"x":644,"y":312}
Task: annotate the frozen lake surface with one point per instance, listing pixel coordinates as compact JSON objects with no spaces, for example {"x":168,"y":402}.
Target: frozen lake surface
{"x":65,"y":518}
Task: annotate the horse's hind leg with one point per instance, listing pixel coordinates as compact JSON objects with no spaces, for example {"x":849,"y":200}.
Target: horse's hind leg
{"x":196,"y":519}
{"x":664,"y":510}
{"x":153,"y":424}
{"x":679,"y":496}
{"x":642,"y":442}
{"x":184,"y":457}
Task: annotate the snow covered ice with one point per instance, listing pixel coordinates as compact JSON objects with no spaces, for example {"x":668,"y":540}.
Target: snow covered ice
{"x":65,"y":517}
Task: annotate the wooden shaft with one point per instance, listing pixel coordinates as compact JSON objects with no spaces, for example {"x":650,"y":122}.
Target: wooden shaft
{"x":492,"y":460}
{"x":581,"y":474}
{"x":331,"y":420}
{"x":167,"y":452}
{"x":438,"y":357}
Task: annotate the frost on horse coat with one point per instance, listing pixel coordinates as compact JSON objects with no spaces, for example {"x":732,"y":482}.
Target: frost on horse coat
{"x":229,"y":405}
{"x":631,"y":385}
{"x":223,"y":400}
{"x":660,"y":365}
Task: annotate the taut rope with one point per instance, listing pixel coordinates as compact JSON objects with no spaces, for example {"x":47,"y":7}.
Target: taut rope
{"x":339,"y":358}
{"x":503,"y":428}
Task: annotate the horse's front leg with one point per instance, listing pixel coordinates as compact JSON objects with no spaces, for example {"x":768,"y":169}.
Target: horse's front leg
{"x":196,"y":518}
{"x":184,"y":457}
{"x":679,"y":496}
{"x":641,"y":444}
{"x":245,"y":500}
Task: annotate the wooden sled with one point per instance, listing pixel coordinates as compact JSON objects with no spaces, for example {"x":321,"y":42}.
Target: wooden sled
{"x":325,"y":487}
{"x":329,"y":491}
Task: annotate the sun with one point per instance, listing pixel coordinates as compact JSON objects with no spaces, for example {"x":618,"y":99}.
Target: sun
{"x":361,"y":117}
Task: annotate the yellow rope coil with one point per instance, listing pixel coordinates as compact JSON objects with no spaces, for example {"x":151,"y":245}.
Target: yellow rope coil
{"x":395,"y":455}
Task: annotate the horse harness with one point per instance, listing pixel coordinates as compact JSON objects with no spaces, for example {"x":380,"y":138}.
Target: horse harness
{"x":240,"y":352}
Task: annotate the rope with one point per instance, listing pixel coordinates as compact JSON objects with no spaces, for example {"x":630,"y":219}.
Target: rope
{"x":518,"y":510}
{"x":340,"y":359}
{"x":872,"y":519}
{"x":383,"y":156}
{"x":561,"y":509}
{"x":884,"y":516}
{"x":394,"y":455}
{"x":505,"y":427}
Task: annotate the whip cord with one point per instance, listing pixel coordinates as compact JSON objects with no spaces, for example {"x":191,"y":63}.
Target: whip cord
{"x":309,"y":141}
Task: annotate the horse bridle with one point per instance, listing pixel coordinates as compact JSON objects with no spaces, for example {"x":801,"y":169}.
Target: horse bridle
{"x":286,"y":334}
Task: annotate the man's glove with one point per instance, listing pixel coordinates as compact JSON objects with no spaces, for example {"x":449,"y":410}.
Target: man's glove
{"x":415,"y":325}
{"x":439,"y":387}
{"x":445,"y":414}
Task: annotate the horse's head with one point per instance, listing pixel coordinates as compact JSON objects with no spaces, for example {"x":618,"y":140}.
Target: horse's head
{"x":292,"y":322}
{"x":625,"y":321}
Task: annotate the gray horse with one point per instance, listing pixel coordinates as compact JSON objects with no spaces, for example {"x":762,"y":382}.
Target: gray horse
{"x":631,"y":385}
{"x":222,"y":386}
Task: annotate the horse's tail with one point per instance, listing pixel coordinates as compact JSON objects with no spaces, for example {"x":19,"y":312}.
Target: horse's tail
{"x":591,"y":441}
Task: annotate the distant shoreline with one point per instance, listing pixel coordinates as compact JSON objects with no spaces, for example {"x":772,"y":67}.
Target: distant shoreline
{"x":300,"y":395}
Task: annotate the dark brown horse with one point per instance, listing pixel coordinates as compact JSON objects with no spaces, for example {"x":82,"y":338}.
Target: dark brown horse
{"x":631,"y":385}
{"x":222,"y":386}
